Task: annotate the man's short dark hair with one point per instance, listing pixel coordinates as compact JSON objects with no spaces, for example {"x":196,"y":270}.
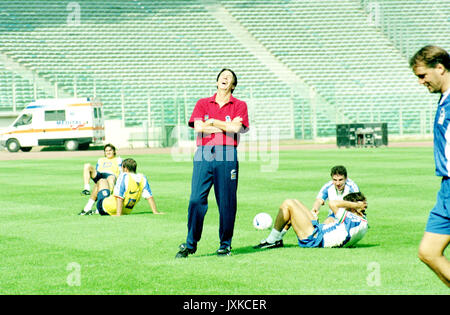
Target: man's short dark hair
{"x":109,"y":145}
{"x":130,"y":165}
{"x":430,"y":56}
{"x":355,"y":197}
{"x":234,"y":77}
{"x":339,"y":170}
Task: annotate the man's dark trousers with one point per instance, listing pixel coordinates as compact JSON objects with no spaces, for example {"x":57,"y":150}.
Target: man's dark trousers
{"x":218,"y":166}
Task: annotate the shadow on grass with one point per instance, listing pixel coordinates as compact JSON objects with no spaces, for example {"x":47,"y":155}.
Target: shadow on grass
{"x":144,"y":212}
{"x":246,"y":250}
{"x":250,"y":250}
{"x":365,"y":245}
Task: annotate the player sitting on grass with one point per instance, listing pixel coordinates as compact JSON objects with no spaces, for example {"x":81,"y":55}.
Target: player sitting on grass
{"x":335,"y":189}
{"x":108,"y":167}
{"x":349,"y":226}
{"x":338,"y":187}
{"x":129,"y":189}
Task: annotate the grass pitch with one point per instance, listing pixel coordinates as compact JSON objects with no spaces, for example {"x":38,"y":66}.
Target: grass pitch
{"x":48,"y":249}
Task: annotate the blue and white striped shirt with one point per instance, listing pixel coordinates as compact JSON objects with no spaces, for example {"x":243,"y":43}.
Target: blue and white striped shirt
{"x":346,"y":232}
{"x":442,"y":136}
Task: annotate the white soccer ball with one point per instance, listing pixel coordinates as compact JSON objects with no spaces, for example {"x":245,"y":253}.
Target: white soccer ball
{"x":262,"y":221}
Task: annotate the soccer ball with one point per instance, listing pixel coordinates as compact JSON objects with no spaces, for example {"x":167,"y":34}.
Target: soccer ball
{"x":262,"y":221}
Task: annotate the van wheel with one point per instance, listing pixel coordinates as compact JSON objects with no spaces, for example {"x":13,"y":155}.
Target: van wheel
{"x":26,"y":149}
{"x":83,"y":146}
{"x":71,"y":145}
{"x":12,"y":145}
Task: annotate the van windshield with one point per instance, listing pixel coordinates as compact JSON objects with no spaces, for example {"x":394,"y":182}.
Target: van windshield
{"x":25,"y":119}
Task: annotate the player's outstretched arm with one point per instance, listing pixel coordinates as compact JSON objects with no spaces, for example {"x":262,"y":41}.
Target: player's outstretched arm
{"x":316,"y":207}
{"x":119,"y":206}
{"x":152,"y":204}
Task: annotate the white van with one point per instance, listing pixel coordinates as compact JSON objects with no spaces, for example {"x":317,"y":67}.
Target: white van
{"x":72,"y":122}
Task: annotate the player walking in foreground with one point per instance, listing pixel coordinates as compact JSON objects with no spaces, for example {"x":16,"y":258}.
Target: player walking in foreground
{"x":349,"y":226}
{"x":431,"y":65}
{"x":218,"y":121}
{"x":129,"y":189}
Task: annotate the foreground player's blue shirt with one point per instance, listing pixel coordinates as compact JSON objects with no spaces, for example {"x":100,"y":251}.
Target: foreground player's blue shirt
{"x":442,"y":136}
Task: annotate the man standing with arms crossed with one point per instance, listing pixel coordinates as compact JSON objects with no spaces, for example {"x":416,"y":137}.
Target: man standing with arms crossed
{"x":218,"y":121}
{"x":431,"y":65}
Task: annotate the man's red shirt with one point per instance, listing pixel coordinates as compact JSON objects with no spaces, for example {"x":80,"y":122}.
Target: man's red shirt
{"x":207,"y":108}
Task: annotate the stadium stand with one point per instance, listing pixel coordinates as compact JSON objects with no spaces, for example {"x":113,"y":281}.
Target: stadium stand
{"x":338,"y":50}
{"x":351,"y":57}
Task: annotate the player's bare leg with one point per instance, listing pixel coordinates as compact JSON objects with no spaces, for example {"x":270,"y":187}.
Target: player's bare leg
{"x":299,"y":216}
{"x":91,"y":201}
{"x":431,"y":252}
{"x":287,"y":227}
{"x":111,"y":182}
{"x":102,"y":184}
{"x":292,"y":212}
{"x":88,"y":173}
{"x":315,"y":217}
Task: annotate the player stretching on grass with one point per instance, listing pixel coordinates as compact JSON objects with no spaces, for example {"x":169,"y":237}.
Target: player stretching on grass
{"x":348,"y":227}
{"x":431,"y":65}
{"x":129,"y":189}
{"x":338,"y":187}
{"x":108,"y":167}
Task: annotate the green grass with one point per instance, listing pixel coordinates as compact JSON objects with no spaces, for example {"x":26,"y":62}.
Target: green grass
{"x":41,"y":236}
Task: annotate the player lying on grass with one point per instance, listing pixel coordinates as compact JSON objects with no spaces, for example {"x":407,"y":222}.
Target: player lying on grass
{"x":348,"y":227}
{"x":335,"y":189}
{"x":129,"y":189}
